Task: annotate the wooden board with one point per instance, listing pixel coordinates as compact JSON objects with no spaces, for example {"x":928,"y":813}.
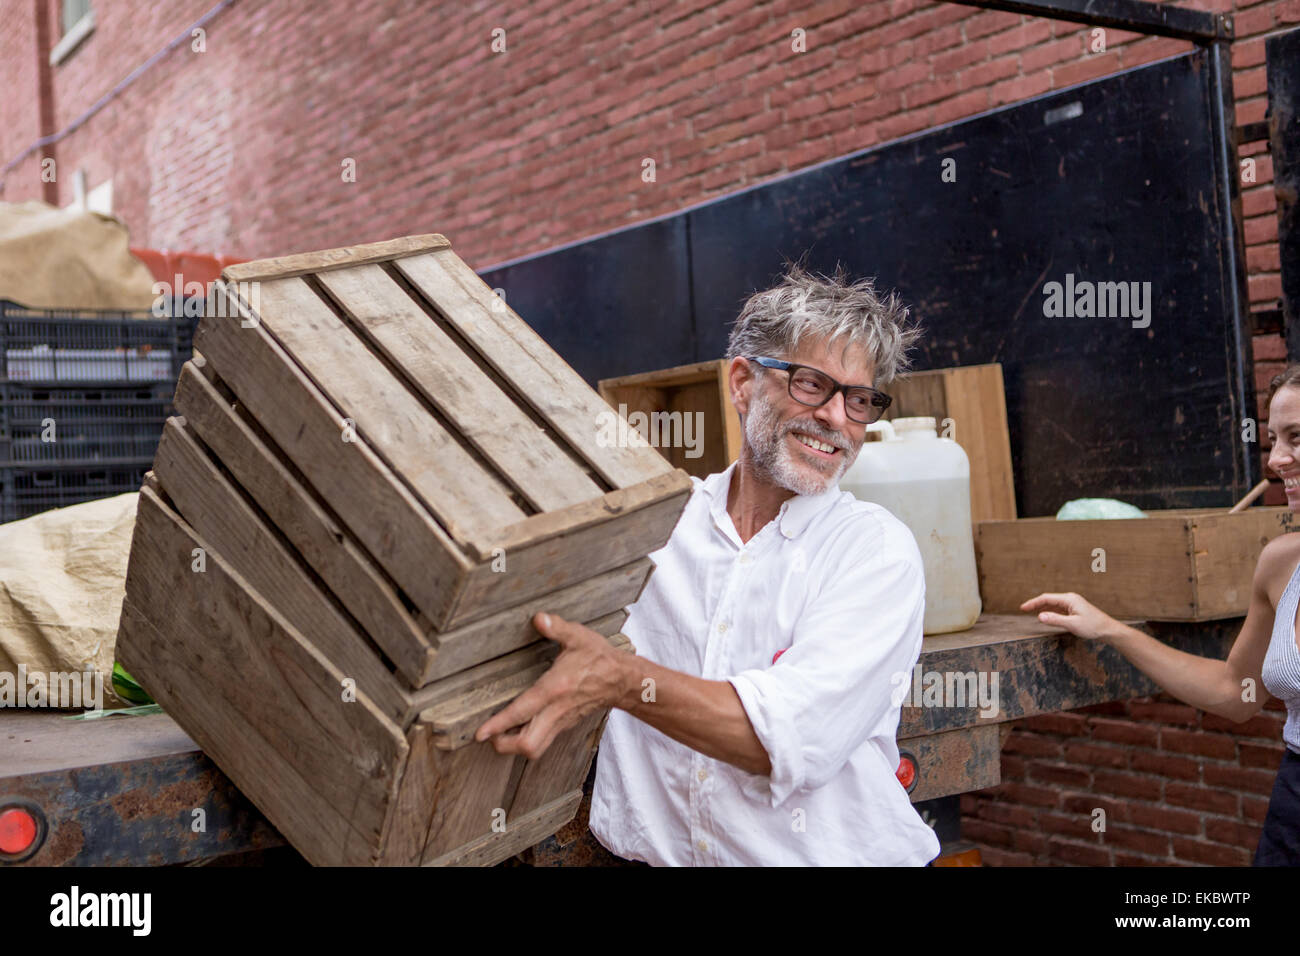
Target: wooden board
{"x":329,"y":259}
{"x":509,"y":346}
{"x":388,"y":519}
{"x":306,"y":522}
{"x":972,"y":400}
{"x":263,"y":703}
{"x":1169,"y":566}
{"x":220,"y":514}
{"x":537,"y":468}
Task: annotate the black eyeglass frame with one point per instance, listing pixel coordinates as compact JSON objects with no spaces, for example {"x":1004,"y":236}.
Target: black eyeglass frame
{"x":879,"y":400}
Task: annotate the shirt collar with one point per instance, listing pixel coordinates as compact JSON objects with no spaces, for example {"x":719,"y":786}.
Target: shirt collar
{"x":796,"y":512}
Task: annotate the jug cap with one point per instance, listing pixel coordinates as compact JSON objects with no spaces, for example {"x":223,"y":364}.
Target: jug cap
{"x":917,"y":424}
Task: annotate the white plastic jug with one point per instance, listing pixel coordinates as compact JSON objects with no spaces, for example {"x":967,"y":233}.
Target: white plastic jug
{"x":924,"y":481}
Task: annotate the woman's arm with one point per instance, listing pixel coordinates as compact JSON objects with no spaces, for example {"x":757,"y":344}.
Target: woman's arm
{"x":1219,"y":687}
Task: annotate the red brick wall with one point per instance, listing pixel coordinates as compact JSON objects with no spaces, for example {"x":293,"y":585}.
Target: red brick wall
{"x":238,"y":151}
{"x":1178,"y":786}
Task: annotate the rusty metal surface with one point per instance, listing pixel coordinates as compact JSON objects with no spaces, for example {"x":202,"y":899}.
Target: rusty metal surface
{"x":1052,"y":672}
{"x":122,"y":791}
{"x":955,"y":762}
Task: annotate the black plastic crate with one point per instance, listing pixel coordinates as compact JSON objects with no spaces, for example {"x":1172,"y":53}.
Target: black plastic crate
{"x":28,"y":491}
{"x":64,"y":346}
{"x":88,"y":424}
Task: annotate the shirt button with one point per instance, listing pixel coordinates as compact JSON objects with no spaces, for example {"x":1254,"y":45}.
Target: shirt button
{"x":744,"y":557}
{"x":702,"y":845}
{"x":722,"y":628}
{"x":703,"y":775}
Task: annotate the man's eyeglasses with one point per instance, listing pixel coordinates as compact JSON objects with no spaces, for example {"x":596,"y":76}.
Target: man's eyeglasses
{"x":814,"y":388}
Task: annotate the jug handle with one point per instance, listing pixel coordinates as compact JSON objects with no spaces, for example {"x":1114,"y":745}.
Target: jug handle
{"x":885,"y":428}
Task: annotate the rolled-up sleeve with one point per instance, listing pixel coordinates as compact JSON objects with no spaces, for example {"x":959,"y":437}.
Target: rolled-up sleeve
{"x":841,"y":680}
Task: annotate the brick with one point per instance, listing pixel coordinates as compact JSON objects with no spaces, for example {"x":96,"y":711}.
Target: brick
{"x":1250,"y":82}
{"x":1163,"y":712}
{"x":1260,"y":229}
{"x":1059,"y":775}
{"x":1127,"y":784}
{"x":1265,"y":288}
{"x":1271,"y":346}
{"x":1264,"y":724}
{"x":1232,"y":833}
{"x":1074,"y":725}
{"x":906,"y":76}
{"x":1080,"y":854}
{"x":981,"y":831}
{"x":1218,"y":746}
{"x":1090,"y":68}
{"x":995,"y":856}
{"x":986,"y":73}
{"x":1029,"y":841}
{"x":1096,"y":755}
{"x":1256,"y":755}
{"x":990,"y":21}
{"x":1253,"y":808}
{"x":929,"y":91}
{"x":1034,"y":745}
{"x":1141,"y":841}
{"x":1166,"y":765}
{"x":1018,"y":792}
{"x":1049,"y":54}
{"x":1076,"y":825}
{"x":960,"y":107}
{"x":1163,"y":818}
{"x":1021,"y":88}
{"x":950,"y":61}
{"x":1210,"y":854}
{"x":1124,"y":732}
{"x":1240,"y":778}
{"x":1202,"y":798}
{"x":1258,"y":19}
{"x":1020,"y":37}
{"x":1008,"y":814}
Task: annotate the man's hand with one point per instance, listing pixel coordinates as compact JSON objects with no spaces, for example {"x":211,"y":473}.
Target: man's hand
{"x":585,"y":677}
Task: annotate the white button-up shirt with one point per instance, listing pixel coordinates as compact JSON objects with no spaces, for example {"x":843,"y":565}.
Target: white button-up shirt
{"x":835,"y":587}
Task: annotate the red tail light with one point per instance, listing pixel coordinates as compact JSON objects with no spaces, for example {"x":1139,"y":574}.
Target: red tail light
{"x":22,"y":829}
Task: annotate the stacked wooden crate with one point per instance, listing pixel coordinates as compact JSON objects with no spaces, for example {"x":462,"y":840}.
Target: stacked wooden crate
{"x":380,"y":473}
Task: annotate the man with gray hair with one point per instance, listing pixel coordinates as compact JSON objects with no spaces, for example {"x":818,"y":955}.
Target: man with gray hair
{"x":773,"y":628}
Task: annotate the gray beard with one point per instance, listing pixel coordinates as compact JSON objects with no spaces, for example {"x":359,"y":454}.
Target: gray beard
{"x":771,"y":456}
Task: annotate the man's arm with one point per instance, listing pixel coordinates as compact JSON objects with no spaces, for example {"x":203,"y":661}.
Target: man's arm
{"x":588,"y":674}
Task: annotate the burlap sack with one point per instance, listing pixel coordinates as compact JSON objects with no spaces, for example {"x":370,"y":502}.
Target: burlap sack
{"x":68,"y":259}
{"x":62,"y":579}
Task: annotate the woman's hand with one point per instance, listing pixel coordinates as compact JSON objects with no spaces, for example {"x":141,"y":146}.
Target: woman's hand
{"x":1074,"y":614}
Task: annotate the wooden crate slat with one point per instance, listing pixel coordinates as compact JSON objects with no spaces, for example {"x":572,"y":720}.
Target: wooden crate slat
{"x":513,"y":349}
{"x":512,"y":628}
{"x":261,"y":701}
{"x":544,"y":554}
{"x":541,"y":471}
{"x":388,"y":519}
{"x":519,"y":835}
{"x":219,"y":514}
{"x":468,"y":499}
{"x":567,"y":759}
{"x":471,"y":784}
{"x":304,"y":263}
{"x":329,"y":548}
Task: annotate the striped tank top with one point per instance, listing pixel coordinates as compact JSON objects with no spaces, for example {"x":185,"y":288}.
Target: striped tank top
{"x":1281,"y":672}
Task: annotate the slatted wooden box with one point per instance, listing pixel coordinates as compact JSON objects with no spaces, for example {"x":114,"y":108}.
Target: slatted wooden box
{"x":379,"y":474}
{"x":1176,"y":565}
